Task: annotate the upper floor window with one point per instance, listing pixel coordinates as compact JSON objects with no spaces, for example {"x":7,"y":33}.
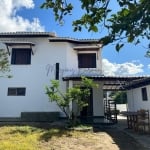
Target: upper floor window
{"x":87,"y":60}
{"x":144,"y":94}
{"x":21,"y":56}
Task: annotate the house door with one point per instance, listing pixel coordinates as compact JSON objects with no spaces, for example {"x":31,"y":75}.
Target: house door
{"x":88,"y":110}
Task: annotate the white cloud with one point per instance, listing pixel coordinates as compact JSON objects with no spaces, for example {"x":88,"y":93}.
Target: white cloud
{"x":10,"y":21}
{"x":125,"y":69}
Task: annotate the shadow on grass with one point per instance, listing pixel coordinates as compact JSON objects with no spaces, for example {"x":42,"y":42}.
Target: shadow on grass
{"x":46,"y":130}
{"x":54,"y":132}
{"x":24,"y":130}
{"x":34,"y":125}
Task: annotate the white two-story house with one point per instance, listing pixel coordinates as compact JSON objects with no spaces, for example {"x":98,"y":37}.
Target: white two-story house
{"x":38,"y":57}
{"x":35,"y":59}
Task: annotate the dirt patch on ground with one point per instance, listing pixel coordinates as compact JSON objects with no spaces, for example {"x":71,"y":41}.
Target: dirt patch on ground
{"x":123,"y":140}
{"x":105,"y":139}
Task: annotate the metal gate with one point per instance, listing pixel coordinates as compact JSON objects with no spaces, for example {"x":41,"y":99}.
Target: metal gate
{"x":110,"y":110}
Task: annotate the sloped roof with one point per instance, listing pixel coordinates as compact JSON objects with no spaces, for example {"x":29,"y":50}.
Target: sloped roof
{"x":26,"y":34}
{"x":52,"y":37}
{"x":73,"y":40}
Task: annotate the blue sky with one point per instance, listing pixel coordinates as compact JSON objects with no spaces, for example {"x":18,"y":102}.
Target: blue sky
{"x":26,"y":15}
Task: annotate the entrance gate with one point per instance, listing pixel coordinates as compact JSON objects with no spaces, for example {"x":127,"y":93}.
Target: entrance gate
{"x":110,"y":110}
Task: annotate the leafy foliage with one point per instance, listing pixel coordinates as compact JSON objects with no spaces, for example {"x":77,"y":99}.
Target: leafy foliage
{"x":4,"y":63}
{"x":120,"y":97}
{"x":76,"y":94}
{"x":129,"y":24}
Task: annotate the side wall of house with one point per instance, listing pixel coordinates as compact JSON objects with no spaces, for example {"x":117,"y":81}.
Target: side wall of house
{"x":34,"y":78}
{"x":135,"y":102}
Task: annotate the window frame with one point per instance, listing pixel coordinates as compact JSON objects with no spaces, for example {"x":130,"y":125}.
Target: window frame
{"x":25,"y":59}
{"x":92,"y":64}
{"x":17,"y":91}
{"x":144,"y":94}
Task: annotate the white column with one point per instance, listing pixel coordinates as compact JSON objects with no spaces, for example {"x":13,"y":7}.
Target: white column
{"x":70,"y":85}
{"x":98,"y":104}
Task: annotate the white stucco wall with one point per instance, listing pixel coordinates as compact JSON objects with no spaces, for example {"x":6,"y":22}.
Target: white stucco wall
{"x":37,"y":75}
{"x":72,"y":62}
{"x":135,"y":102}
{"x":98,"y":106}
{"x":34,"y":78}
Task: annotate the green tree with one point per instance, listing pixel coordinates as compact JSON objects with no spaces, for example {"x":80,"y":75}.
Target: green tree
{"x":4,"y":63}
{"x":129,"y":24}
{"x":120,"y":97}
{"x":76,"y":94}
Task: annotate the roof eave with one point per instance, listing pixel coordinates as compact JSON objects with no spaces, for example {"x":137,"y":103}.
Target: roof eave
{"x":76,"y":41}
{"x":26,"y":34}
{"x":139,"y":83}
{"x":103,"y":78}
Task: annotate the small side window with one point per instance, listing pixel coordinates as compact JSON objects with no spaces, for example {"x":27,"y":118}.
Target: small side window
{"x":144,"y":94}
{"x":16,"y":91}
